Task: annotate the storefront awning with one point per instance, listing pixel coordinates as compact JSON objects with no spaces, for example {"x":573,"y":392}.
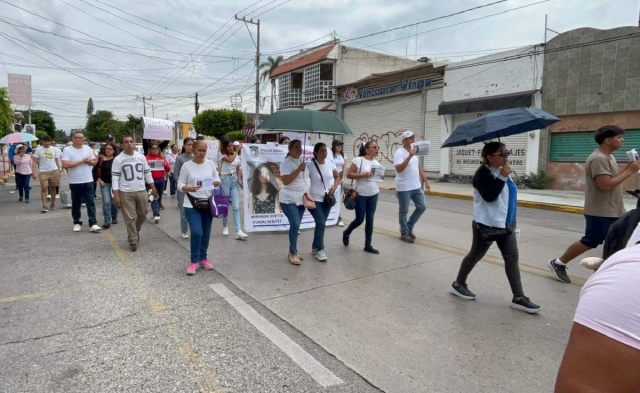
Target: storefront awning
{"x":488,"y":104}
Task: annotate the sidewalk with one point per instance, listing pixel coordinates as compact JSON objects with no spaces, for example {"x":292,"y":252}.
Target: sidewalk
{"x":555,"y":200}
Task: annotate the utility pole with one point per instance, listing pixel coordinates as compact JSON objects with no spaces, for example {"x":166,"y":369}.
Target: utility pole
{"x":197,"y":104}
{"x":256,"y":120}
{"x":153,"y":111}
{"x":167,"y":116}
{"x":546,"y":17}
{"x":29,"y":114}
{"x":144,"y":104}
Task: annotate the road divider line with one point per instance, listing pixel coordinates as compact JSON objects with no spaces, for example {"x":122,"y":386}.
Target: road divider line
{"x":302,"y":358}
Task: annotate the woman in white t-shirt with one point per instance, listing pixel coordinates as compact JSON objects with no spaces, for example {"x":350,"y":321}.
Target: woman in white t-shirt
{"x":323,"y":177}
{"x":295,"y":180}
{"x":362,"y":170}
{"x":231,"y":179}
{"x":340,"y":159}
{"x":171,"y":159}
{"x":603,"y":353}
{"x":193,"y":175}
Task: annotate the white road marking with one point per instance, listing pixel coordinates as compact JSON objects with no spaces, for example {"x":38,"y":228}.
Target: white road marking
{"x":302,"y":358}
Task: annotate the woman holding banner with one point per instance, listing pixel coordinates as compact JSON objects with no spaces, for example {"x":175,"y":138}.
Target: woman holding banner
{"x":231,"y":180}
{"x":324,"y":179}
{"x":186,"y":156}
{"x":294,"y":179}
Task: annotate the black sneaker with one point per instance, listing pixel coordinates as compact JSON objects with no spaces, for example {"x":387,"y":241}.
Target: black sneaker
{"x":525,"y":305}
{"x":462,"y":291}
{"x":412,"y":235}
{"x":52,"y":208}
{"x":405,"y":237}
{"x":44,"y":209}
{"x":114,"y":220}
{"x":371,"y":250}
{"x":345,"y":238}
{"x":559,"y":271}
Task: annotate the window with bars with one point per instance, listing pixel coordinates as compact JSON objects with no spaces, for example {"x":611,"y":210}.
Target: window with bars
{"x":317,"y":79}
{"x":290,"y":94}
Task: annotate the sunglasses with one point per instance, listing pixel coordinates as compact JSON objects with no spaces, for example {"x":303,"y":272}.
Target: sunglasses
{"x":505,"y":154}
{"x":374,"y":147}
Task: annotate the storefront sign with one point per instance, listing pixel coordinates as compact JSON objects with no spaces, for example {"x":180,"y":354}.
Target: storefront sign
{"x":470,"y":156}
{"x":352,"y":94}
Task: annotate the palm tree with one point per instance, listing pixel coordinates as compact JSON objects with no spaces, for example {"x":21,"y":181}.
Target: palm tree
{"x":268,"y":67}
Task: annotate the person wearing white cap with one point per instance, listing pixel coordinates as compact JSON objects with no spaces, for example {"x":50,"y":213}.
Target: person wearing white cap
{"x":408,"y":187}
{"x":231,"y":180}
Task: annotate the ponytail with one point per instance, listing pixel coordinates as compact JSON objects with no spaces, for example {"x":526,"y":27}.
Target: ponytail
{"x":363,"y":149}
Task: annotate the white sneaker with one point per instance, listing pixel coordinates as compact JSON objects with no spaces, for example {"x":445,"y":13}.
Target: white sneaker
{"x":156,"y":219}
{"x":95,"y":228}
{"x":321,"y":256}
{"x":241,"y":235}
{"x":165,"y":192}
{"x":185,"y":235}
{"x":58,"y":196}
{"x":84,"y":205}
{"x":77,"y":227}
{"x":48,"y":196}
{"x":225,"y":231}
{"x":340,"y":223}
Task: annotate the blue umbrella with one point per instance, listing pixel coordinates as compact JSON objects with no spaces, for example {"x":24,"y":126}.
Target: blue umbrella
{"x":500,"y":124}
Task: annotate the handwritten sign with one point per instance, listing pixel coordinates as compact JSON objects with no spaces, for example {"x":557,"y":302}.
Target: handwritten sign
{"x":158,"y":129}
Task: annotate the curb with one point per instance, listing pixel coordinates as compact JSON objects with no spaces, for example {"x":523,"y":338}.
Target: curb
{"x":527,"y":204}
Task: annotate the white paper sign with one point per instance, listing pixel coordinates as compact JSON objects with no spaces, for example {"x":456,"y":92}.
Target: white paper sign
{"x":422,"y":147}
{"x":378,"y":173}
{"x":213,"y":151}
{"x":206,"y":184}
{"x":159,"y":129}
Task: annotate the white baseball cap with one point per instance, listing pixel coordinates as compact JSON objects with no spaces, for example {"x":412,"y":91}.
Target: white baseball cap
{"x":407,"y":134}
{"x":236,"y":143}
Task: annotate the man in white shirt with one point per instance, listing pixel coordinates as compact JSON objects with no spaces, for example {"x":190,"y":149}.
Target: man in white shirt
{"x":78,"y":160}
{"x":129,"y":173}
{"x":46,"y":167}
{"x":408,"y":187}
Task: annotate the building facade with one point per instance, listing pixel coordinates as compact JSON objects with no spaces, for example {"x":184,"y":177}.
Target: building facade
{"x":308,"y":80}
{"x":591,"y":79}
{"x":383,"y":105}
{"x":486,"y":84}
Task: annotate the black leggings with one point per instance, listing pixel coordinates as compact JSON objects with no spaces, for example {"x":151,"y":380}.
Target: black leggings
{"x":509,"y":250}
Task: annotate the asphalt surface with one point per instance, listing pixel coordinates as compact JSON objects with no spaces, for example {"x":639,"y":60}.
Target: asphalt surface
{"x":79,"y":312}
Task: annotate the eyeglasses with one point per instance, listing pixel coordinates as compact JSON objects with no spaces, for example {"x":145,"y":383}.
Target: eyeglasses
{"x":503,"y":154}
{"x":374,"y":147}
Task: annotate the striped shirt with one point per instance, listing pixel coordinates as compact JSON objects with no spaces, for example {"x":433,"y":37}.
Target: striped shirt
{"x":130,"y":172}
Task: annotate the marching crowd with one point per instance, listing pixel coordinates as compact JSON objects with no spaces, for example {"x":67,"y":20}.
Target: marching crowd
{"x":129,"y":180}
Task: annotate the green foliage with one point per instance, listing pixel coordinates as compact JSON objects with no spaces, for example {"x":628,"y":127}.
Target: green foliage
{"x":267,"y":68}
{"x":218,"y":122}
{"x":43,"y":121}
{"x":61,"y":137}
{"x":90,"y":107}
{"x":540,"y":180}
{"x":92,"y":129}
{"x":6,"y":113}
{"x":134,"y":126}
{"x":114,"y":127}
{"x":235,"y":136}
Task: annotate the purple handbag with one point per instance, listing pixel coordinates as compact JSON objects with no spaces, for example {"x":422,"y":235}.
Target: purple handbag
{"x":219,"y":204}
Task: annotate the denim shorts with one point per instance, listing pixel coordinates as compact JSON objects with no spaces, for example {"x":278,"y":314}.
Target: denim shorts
{"x":596,"y":231}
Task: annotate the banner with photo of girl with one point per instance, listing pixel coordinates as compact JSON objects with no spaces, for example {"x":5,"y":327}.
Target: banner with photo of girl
{"x":262,"y":183}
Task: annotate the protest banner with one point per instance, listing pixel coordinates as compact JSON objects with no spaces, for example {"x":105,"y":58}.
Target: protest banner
{"x":262,"y":183}
{"x":158,"y":129}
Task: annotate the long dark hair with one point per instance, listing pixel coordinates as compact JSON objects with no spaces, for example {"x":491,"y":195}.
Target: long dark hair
{"x":224,"y":144}
{"x":292,"y":144}
{"x":317,"y":148}
{"x":490,"y":149}
{"x":184,"y":142}
{"x":256,"y":186}
{"x":333,"y":148}
{"x":113,"y":146}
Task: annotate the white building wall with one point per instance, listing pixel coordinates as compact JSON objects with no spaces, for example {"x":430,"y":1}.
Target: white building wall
{"x":353,"y":64}
{"x":493,"y":79}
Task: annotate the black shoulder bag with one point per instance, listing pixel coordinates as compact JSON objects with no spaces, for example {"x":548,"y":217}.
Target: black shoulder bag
{"x":351,"y":195}
{"x":329,"y":199}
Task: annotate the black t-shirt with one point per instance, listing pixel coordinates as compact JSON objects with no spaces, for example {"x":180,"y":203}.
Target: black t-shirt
{"x":105,"y":170}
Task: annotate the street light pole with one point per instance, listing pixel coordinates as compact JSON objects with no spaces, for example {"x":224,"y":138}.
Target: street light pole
{"x":256,"y":120}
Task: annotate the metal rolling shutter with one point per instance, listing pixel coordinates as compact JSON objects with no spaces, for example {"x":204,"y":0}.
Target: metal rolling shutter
{"x":432,"y":130}
{"x":466,"y":159}
{"x":384,"y":119}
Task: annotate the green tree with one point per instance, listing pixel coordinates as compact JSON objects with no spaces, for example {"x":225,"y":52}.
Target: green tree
{"x":6,"y":113}
{"x":92,"y":129}
{"x":134,"y":126}
{"x":267,"y":68}
{"x":218,"y":122}
{"x":90,"y":107}
{"x":236,"y":136}
{"x":61,"y":137}
{"x":114,"y":127}
{"x":43,"y":121}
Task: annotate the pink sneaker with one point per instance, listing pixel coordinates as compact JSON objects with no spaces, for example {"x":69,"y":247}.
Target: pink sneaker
{"x":191,"y":270}
{"x":206,"y":265}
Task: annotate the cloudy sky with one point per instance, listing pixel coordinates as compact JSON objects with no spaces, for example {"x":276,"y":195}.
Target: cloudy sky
{"x":115,"y":50}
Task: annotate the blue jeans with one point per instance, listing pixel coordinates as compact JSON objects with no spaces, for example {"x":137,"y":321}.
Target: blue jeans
{"x":294,"y":214}
{"x":22,"y":182}
{"x":365,"y":207}
{"x":109,"y":210}
{"x":155,"y":205}
{"x":183,"y":218}
{"x":320,"y":215}
{"x":83,"y":193}
{"x":230,"y":187}
{"x":200,"y":225}
{"x":404,"y":197}
{"x":173,"y":186}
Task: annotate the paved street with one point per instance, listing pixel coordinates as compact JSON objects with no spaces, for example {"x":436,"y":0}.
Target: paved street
{"x":80,"y":313}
